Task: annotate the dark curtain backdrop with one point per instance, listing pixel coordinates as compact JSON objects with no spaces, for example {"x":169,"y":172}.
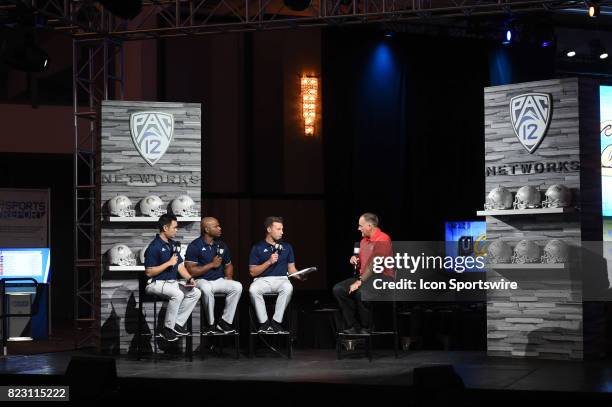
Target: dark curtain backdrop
{"x":403,"y":130}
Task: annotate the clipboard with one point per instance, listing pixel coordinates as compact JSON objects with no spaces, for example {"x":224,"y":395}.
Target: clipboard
{"x":305,"y":271}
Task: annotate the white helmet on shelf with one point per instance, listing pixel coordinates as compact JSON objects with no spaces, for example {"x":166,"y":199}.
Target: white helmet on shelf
{"x":152,"y":205}
{"x":499,"y":198}
{"x":499,"y":252}
{"x":141,"y":255}
{"x":121,"y":255}
{"x":555,"y":251}
{"x":526,"y":251}
{"x":121,"y":206}
{"x":184,"y":206}
{"x":527,"y":197}
{"x":557,"y":196}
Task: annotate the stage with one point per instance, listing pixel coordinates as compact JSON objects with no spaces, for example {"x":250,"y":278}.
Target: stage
{"x":310,"y":373}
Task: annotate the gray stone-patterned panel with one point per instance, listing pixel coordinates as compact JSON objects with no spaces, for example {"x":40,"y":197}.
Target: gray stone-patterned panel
{"x":540,"y":321}
{"x":124,"y":172}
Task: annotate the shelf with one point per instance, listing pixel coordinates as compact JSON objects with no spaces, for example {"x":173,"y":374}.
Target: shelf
{"x":519,"y":212}
{"x":126,"y":268}
{"x":528,"y":266}
{"x":146,"y":219}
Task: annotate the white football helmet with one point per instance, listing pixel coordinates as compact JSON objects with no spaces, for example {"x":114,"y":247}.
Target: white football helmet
{"x":499,"y":198}
{"x":184,"y":206}
{"x":141,"y":255}
{"x":555,"y":251}
{"x":557,"y":196}
{"x":152,"y":205}
{"x":527,"y":197}
{"x":499,"y":252}
{"x":121,"y":255}
{"x":526,"y":251}
{"x":121,"y":206}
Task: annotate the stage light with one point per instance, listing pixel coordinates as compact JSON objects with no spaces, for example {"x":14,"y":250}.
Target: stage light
{"x":508,"y":36}
{"x":389,"y":34}
{"x":593,"y":10}
{"x":570,"y":53}
{"x":297,"y":5}
{"x":598,"y":50}
{"x":126,"y":9}
{"x":310,"y":86}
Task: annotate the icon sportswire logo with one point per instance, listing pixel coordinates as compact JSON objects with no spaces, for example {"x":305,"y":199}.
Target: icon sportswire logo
{"x":151,"y":133}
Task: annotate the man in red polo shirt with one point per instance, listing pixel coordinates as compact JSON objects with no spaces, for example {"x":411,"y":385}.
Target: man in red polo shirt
{"x":374,"y":243}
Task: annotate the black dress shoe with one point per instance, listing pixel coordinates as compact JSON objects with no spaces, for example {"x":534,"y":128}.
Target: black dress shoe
{"x":352,"y":331}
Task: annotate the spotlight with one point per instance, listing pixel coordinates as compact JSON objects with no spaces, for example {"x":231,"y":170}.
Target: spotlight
{"x":593,"y":10}
{"x":297,"y":5}
{"x":126,"y":9}
{"x":570,"y":53}
{"x":389,"y":34}
{"x":598,"y":50}
{"x":508,"y":36}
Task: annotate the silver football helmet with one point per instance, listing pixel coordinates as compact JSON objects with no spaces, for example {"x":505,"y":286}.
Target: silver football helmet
{"x":557,"y":196}
{"x":184,"y":206}
{"x":555,"y":251}
{"x":526,"y":251}
{"x":499,"y":252}
{"x":499,"y":198}
{"x":152,"y":205}
{"x":121,"y":255}
{"x":121,"y":206}
{"x":527,"y":197}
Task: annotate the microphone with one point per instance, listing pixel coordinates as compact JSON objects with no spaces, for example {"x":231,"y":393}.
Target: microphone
{"x":220,"y":249}
{"x":176,"y":248}
{"x":356,"y":253}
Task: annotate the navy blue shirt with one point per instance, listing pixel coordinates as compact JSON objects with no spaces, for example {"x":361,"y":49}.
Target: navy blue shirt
{"x":158,"y":252}
{"x":262,"y":251}
{"x":203,"y":253}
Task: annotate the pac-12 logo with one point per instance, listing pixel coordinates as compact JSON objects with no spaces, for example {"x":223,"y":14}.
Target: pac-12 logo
{"x":152,"y":133}
{"x":530,"y":114}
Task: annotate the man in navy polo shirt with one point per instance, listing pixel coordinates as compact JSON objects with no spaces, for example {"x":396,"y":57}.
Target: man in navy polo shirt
{"x":270,"y":263}
{"x":164,"y":265}
{"x":208,"y":261}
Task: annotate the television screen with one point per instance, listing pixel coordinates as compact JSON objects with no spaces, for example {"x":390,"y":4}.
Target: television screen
{"x":465,"y":238}
{"x":605,"y":117}
{"x":33,"y":263}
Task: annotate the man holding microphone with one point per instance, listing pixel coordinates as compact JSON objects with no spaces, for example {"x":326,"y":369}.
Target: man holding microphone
{"x":164,"y":265}
{"x":270,"y":263}
{"x":208,"y":261}
{"x":348,"y":292}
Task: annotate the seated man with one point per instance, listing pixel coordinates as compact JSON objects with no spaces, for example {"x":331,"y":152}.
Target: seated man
{"x":208,"y":261}
{"x":163,"y":266}
{"x":270,"y":263}
{"x":348,"y":293}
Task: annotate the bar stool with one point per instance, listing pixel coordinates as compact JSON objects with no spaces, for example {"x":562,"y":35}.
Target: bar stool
{"x":372,"y":332}
{"x":204,"y":337}
{"x":142,"y":298}
{"x":270,"y":298}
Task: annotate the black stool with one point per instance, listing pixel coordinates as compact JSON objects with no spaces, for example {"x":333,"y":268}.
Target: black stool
{"x":372,"y":332}
{"x":204,"y":338}
{"x":270,"y":297}
{"x":144,"y":297}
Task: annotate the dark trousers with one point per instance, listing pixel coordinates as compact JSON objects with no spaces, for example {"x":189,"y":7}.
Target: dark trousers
{"x":354,"y":310}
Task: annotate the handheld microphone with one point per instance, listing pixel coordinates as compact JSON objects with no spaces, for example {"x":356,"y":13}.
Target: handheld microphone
{"x":356,"y":253}
{"x":177,"y":248}
{"x":220,"y":250}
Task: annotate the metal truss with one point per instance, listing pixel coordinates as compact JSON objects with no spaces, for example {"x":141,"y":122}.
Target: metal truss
{"x":97,"y":76}
{"x":167,"y":18}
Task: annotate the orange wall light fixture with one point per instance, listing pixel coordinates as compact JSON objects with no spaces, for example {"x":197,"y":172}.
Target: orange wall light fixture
{"x":310,"y":89}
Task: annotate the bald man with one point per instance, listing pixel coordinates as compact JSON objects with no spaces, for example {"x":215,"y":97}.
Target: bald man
{"x":209,"y":263}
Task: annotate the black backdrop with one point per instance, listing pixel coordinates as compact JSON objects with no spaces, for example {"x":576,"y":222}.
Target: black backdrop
{"x":403,"y":130}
